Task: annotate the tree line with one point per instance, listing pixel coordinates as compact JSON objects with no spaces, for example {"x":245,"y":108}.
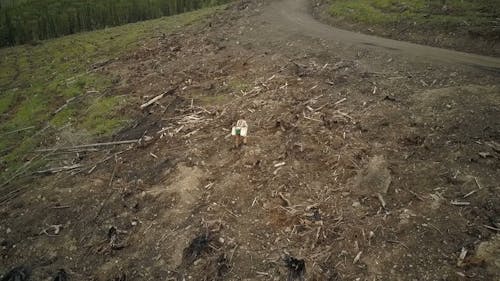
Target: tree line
{"x":29,"y":21}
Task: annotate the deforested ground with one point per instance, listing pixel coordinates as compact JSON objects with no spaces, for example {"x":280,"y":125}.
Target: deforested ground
{"x":362,"y":163}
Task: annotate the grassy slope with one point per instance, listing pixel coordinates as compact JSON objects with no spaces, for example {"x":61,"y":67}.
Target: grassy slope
{"x":37,"y":80}
{"x":477,"y":16}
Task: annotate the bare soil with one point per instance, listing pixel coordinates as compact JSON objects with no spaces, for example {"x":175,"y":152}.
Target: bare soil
{"x":391,"y":167}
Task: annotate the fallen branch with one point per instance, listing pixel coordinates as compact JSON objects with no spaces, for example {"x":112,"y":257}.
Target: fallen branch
{"x":381,"y":199}
{"x":459,"y":203}
{"x":398,"y":242}
{"x":153,"y":100}
{"x":491,"y":227}
{"x":157,"y":98}
{"x":18,"y":130}
{"x":89,"y":145}
{"x":56,"y":230}
{"x":58,"y":169}
{"x":64,"y":105}
{"x":285,"y":201}
{"x":477,"y":183}
{"x":309,"y":118}
{"x":110,"y":185}
{"x":340,"y":101}
{"x":357,"y":257}
{"x":344,"y":114}
{"x":470,"y":193}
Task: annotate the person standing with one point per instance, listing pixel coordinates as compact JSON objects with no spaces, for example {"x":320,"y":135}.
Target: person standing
{"x":239,"y":133}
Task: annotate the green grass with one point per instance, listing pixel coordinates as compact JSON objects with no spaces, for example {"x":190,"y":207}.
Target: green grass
{"x":457,"y":15}
{"x":36,"y":80}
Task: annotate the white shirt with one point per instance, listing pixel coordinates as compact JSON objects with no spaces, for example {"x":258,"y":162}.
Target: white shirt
{"x":241,"y":124}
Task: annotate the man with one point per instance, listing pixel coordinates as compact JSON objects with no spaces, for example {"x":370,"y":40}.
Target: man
{"x":239,"y":133}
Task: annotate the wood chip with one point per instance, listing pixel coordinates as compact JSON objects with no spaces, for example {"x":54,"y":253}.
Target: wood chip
{"x":357,"y":257}
{"x":470,"y":193}
{"x":340,"y":101}
{"x":459,"y":203}
{"x":477,"y":183}
{"x":461,"y":257}
{"x":381,"y":200}
{"x":283,"y":198}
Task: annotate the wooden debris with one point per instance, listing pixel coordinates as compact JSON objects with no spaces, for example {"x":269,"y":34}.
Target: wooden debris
{"x":477,"y":183}
{"x":283,"y":198}
{"x":459,"y":203}
{"x":309,"y":118}
{"x":357,"y":257}
{"x":61,"y":207}
{"x":56,"y":229}
{"x":279,"y":164}
{"x":191,"y":133}
{"x":64,"y":105}
{"x":89,"y":145}
{"x":157,"y":98}
{"x":340,"y":101}
{"x":381,"y":200}
{"x":494,"y":145}
{"x":416,"y":195}
{"x":58,"y":169}
{"x":470,"y":193}
{"x":461,"y":257}
{"x":276,"y":171}
{"x":398,"y":242}
{"x":344,"y":114}
{"x":491,"y":227}
{"x":18,"y":130}
{"x":485,"y":154}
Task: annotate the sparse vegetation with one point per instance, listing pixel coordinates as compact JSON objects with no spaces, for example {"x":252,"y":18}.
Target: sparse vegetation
{"x":35,"y":81}
{"x":399,"y":19}
{"x":449,"y":14}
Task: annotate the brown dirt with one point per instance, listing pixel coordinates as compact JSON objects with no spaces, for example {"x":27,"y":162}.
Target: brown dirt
{"x":188,"y":206}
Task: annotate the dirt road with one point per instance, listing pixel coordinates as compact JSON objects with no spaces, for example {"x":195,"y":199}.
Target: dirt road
{"x":294,"y":17}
